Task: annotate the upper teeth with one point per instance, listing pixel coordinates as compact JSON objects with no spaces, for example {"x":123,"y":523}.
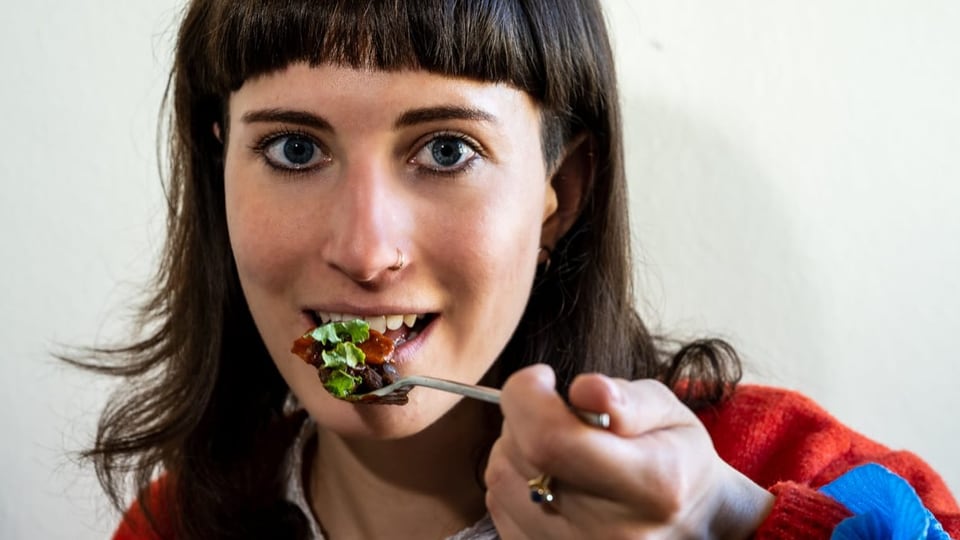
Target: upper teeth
{"x":380,"y":323}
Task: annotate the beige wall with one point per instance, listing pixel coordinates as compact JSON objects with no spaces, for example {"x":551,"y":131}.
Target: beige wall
{"x":793,"y":171}
{"x":795,"y":177}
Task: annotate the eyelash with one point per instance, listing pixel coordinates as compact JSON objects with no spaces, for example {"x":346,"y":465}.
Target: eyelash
{"x":263,"y":144}
{"x":468,"y":141}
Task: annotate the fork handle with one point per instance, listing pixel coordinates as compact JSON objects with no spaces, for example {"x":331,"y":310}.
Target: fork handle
{"x":492,"y":395}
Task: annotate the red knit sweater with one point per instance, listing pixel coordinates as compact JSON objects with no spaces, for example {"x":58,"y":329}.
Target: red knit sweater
{"x":782,"y":441}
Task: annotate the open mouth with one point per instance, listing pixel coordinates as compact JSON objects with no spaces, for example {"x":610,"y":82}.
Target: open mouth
{"x":399,"y":328}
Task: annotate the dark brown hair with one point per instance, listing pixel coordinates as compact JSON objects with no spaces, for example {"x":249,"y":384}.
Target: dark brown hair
{"x":202,"y":399}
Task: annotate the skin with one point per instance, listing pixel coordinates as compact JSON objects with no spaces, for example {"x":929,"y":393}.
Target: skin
{"x":324,"y":238}
{"x":653,"y":474}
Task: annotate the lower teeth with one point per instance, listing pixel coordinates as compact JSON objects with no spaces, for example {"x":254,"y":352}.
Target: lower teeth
{"x":400,"y":341}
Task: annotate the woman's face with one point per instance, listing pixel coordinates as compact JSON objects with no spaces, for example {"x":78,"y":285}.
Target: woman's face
{"x":332,"y":172}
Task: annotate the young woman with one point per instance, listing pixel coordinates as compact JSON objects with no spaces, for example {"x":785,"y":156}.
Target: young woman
{"x":452,"y":171}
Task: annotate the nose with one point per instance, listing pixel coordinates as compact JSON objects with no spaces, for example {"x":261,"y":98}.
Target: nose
{"x":365,"y":225}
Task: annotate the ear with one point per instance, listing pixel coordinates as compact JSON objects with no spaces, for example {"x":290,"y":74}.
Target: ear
{"x":569,"y":180}
{"x":217,"y":132}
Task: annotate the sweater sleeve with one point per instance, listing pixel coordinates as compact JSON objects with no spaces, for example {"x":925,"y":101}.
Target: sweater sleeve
{"x":789,"y":445}
{"x":800,"y":511}
{"x":137,"y":525}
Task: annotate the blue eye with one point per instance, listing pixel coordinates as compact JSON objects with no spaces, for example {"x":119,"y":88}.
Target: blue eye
{"x":445,"y":153}
{"x":293,"y":152}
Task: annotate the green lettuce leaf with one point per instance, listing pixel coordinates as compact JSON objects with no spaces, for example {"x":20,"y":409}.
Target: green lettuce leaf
{"x":340,"y":383}
{"x":343,"y":355}
{"x":332,"y":333}
{"x":340,"y":354}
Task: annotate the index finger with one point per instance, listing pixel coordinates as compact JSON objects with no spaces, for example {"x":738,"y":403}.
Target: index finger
{"x":624,"y":463}
{"x":543,"y":431}
{"x":634,"y":407}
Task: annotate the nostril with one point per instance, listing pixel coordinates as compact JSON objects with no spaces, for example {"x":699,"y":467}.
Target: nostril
{"x":367,"y":266}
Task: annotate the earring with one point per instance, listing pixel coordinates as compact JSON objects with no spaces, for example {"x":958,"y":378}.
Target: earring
{"x":400,"y":262}
{"x":546,"y":262}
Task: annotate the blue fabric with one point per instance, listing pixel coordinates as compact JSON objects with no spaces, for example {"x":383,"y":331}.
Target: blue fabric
{"x":884,"y":506}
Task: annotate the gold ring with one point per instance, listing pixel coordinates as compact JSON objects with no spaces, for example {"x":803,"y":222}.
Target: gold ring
{"x":540,"y":489}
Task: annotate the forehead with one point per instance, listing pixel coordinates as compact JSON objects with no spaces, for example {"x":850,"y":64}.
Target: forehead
{"x":379,"y":94}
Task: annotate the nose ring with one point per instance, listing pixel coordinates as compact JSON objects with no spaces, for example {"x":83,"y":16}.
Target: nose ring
{"x":400,"y":262}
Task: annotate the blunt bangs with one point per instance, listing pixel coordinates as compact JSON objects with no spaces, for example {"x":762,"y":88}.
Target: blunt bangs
{"x":488,"y":40}
{"x":555,"y":51}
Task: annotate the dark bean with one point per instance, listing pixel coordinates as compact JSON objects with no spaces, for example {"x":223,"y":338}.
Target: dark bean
{"x":371,"y":379}
{"x":390,"y":374}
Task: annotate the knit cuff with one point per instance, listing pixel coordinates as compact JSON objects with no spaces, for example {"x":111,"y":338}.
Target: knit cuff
{"x":800,"y":511}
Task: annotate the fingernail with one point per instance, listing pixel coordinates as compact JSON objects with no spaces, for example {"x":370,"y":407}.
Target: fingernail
{"x":616,"y":396}
{"x":545,"y":374}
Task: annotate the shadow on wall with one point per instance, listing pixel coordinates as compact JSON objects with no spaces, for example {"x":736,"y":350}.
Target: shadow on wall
{"x":717,"y":251}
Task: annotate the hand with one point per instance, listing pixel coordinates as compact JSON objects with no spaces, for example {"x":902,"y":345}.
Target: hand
{"x":653,"y":474}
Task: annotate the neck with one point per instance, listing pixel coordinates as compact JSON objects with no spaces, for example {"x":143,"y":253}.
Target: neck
{"x":363,"y":488}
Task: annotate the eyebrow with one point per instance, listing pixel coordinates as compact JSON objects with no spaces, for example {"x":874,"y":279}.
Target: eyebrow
{"x":301,"y":118}
{"x":409,"y":118}
{"x":446,"y":112}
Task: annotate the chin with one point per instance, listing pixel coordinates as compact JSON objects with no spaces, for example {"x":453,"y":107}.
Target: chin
{"x":382,"y":422}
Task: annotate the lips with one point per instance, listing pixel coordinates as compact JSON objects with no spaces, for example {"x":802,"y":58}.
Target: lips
{"x":380,"y":323}
{"x":398,"y":327}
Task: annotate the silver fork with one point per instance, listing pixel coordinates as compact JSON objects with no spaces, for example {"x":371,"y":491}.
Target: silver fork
{"x":396,"y":394}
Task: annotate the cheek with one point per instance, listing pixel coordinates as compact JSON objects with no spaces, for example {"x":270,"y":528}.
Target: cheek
{"x":259,"y":235}
{"x":504,"y":237}
{"x":510,"y":228}
{"x":490,"y":257}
